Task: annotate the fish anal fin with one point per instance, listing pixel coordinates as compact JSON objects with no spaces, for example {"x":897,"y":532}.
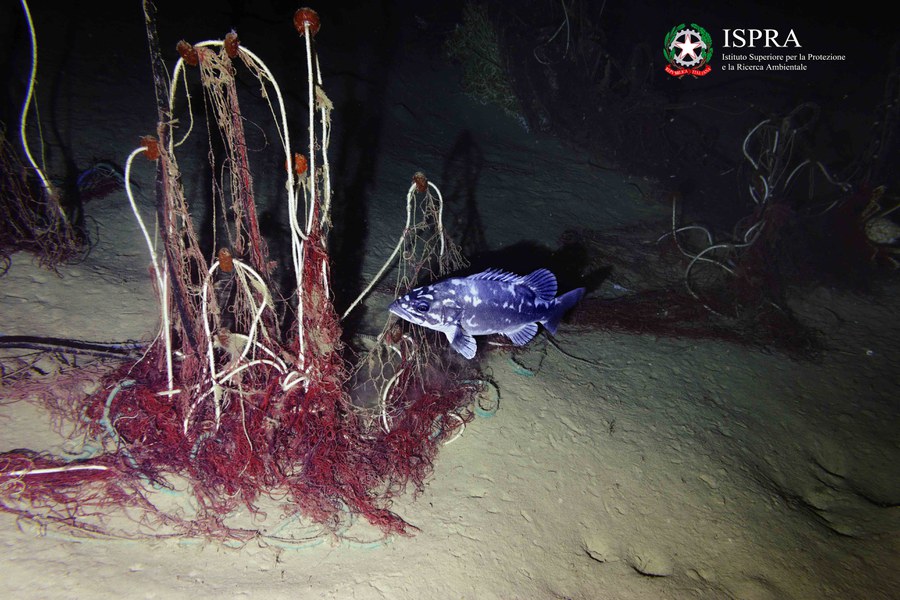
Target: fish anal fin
{"x":522,"y":336}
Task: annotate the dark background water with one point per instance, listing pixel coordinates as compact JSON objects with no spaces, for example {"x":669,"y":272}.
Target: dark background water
{"x":599,"y":88}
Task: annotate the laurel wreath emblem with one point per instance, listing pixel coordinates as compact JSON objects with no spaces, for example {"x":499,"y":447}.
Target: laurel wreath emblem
{"x":705,"y":54}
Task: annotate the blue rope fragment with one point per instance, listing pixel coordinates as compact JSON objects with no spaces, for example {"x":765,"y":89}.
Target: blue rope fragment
{"x":108,"y":426}
{"x":520,"y":370}
{"x":485,"y":412}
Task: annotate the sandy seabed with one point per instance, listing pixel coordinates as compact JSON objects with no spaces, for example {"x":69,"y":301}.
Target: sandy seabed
{"x":646,"y":468}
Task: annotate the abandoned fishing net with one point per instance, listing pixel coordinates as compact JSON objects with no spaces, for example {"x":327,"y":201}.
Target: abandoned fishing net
{"x":245,"y":418}
{"x":35,"y":215}
{"x":807,"y":225}
{"x":31,"y":217}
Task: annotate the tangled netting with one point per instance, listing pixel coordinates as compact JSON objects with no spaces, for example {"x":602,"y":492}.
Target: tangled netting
{"x":31,"y":219}
{"x":807,"y":225}
{"x":243,"y":418}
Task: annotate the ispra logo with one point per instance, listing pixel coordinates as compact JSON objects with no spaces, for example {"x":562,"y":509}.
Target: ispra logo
{"x":688,"y":51}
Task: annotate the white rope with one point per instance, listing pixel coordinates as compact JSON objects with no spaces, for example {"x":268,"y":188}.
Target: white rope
{"x":161,"y":280}
{"x":410,"y":195}
{"x":23,"y":120}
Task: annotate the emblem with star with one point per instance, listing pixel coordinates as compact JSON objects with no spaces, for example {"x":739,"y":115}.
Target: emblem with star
{"x":688,"y":50}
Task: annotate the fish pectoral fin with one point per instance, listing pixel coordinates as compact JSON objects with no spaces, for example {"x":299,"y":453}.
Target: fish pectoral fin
{"x":522,"y":336}
{"x":462,"y":342}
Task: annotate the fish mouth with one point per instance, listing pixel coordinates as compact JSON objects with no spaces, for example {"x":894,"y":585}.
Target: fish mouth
{"x":398,"y":310}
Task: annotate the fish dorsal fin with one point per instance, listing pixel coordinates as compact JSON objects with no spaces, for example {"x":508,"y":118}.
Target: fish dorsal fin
{"x":543,"y":283}
{"x":497,"y":275}
{"x":523,"y":335}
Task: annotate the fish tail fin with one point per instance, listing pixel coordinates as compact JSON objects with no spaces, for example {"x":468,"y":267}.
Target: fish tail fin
{"x":560,"y":308}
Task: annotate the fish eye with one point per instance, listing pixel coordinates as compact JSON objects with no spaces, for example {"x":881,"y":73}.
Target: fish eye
{"x":421,"y":306}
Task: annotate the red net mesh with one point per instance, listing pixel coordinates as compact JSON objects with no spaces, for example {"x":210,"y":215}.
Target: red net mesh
{"x":252,"y":418}
{"x":305,"y":447}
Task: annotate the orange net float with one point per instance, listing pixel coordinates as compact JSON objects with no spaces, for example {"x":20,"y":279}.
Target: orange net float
{"x":226,"y":261}
{"x":151,"y":147}
{"x":300,"y":164}
{"x":421,"y":182}
{"x":188,"y":53}
{"x":231,"y":44}
{"x":306,"y":16}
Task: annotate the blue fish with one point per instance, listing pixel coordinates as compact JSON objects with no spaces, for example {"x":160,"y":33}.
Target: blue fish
{"x":493,"y":301}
